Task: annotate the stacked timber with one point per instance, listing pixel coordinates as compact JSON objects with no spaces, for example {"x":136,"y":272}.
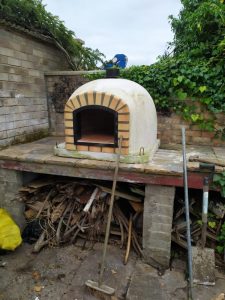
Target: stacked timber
{"x":65,"y":210}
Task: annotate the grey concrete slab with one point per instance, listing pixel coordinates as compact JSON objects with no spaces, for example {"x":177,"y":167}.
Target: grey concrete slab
{"x":164,"y":161}
{"x":63,"y":272}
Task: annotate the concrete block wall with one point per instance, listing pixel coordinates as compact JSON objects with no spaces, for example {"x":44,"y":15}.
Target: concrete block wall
{"x":23,"y":102}
{"x":157,"y":224}
{"x":10,"y":182}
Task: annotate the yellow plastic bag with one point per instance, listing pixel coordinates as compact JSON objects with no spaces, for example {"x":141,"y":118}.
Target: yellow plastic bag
{"x":10,"y":236}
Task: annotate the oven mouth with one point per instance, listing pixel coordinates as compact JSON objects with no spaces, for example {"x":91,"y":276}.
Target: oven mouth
{"x":95,"y":125}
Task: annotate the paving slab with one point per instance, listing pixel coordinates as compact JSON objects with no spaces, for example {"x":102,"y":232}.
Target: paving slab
{"x":147,"y":284}
{"x":60,"y":274}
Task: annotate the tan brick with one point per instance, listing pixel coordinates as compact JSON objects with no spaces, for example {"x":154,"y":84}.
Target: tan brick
{"x":121,"y":104}
{"x":106,"y":100}
{"x":98,"y":98}
{"x":69,"y":131}
{"x":123,"y":126}
{"x":82,"y":148}
{"x":114,"y":103}
{"x":82,"y":100}
{"x":68,"y":116}
{"x":68,"y":108}
{"x":76,"y":103}
{"x":70,"y":103}
{"x":125,"y":109}
{"x":69,"y":139}
{"x":108,"y":150}
{"x":123,"y":118}
{"x":125,"y":143}
{"x":69,"y":124}
{"x":123,"y":134}
{"x":90,"y":97}
{"x":70,"y":147}
{"x":95,"y":149}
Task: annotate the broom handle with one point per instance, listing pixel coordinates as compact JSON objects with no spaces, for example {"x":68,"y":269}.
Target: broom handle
{"x":110,"y":213}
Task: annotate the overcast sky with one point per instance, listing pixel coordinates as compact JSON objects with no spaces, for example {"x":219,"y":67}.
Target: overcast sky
{"x":137,"y":28}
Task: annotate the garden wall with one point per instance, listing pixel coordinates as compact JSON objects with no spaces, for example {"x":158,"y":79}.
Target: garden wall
{"x":60,"y":86}
{"x":24,"y":57}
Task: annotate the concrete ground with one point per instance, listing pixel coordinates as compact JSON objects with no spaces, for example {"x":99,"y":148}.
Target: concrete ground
{"x":60,"y":274}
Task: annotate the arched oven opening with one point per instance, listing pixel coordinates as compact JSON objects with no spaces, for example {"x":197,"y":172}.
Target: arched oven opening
{"x":95,"y":125}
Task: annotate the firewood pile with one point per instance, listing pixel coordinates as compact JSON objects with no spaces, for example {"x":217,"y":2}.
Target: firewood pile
{"x":216,"y":217}
{"x":67,"y":210}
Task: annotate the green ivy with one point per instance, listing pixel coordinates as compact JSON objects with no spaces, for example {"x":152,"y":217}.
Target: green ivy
{"x":221,"y":239}
{"x":32,"y":15}
{"x":176,"y":85}
{"x":193,"y":68}
{"x":219,"y":182}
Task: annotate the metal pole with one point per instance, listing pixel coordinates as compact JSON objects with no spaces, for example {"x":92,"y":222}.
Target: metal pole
{"x":205,"y":202}
{"x":187,"y":213}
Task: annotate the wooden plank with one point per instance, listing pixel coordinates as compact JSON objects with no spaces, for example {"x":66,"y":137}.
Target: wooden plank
{"x":194,"y":179}
{"x":118,"y":193}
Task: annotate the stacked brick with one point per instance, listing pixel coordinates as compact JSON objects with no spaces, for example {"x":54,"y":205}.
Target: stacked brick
{"x":157,"y":225}
{"x":169,"y":131}
{"x":23,"y":101}
{"x":108,"y":101}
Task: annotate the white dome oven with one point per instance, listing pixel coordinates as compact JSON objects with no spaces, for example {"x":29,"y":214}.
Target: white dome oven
{"x":101,"y":111}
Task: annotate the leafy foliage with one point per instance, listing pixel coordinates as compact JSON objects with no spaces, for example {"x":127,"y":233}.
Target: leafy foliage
{"x":179,"y":85}
{"x":199,"y":29}
{"x":193,"y":72}
{"x":221,"y":239}
{"x":219,"y":182}
{"x":32,"y":15}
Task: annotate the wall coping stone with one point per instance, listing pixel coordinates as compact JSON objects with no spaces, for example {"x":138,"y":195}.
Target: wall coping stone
{"x":10,"y":26}
{"x":63,"y":73}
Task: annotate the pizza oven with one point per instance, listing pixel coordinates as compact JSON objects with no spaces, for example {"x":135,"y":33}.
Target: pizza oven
{"x":101,"y":111}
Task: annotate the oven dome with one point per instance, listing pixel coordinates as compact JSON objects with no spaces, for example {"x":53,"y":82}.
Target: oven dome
{"x":100,"y":111}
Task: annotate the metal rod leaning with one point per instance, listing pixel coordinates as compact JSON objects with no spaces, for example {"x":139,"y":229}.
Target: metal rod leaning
{"x":187,"y":212}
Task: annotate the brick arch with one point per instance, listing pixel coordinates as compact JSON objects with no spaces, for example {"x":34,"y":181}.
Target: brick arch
{"x":101,"y":99}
